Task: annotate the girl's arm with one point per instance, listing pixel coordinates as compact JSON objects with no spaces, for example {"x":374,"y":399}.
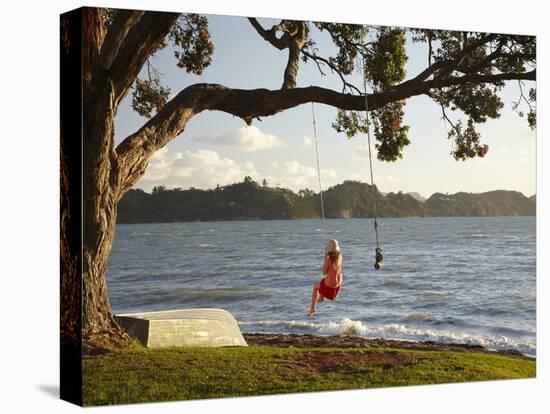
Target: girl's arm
{"x":339,"y":272}
{"x":339,"y":279}
{"x":325,"y":264}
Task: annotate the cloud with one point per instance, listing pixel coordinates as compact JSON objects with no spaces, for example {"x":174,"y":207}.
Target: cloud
{"x":200,"y":169}
{"x":307,"y":142}
{"x":207,"y":168}
{"x":293,"y":175}
{"x":246,"y":138}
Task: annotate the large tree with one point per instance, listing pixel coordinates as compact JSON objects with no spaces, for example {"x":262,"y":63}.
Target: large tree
{"x":464,"y":72}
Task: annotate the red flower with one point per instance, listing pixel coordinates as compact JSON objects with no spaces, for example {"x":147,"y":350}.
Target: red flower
{"x":395,"y":123}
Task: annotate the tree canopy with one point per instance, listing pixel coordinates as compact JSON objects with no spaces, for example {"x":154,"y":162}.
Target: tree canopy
{"x":465,"y":72}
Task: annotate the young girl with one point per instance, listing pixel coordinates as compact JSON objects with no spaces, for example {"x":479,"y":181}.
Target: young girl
{"x":329,"y":286}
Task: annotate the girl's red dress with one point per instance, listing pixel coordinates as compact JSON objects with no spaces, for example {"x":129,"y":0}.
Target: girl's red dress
{"x":327,"y":291}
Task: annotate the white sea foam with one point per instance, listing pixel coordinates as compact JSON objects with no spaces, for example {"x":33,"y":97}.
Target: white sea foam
{"x":395,"y":331}
{"x":480,"y":235}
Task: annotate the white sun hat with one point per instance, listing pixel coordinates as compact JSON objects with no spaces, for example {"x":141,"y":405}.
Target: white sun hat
{"x":332,"y":246}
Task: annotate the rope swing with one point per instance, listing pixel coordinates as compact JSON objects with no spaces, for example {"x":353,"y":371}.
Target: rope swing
{"x":318,"y":163}
{"x":378,"y":251}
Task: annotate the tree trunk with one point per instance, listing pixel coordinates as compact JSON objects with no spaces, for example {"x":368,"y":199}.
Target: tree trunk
{"x":100,"y":197}
{"x":85,"y":306}
{"x":99,"y":231}
{"x":71,"y":232}
{"x":89,"y":191}
{"x":84,"y":294}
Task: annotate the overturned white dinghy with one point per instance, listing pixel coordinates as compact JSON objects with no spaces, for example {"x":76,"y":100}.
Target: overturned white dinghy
{"x":183,"y":327}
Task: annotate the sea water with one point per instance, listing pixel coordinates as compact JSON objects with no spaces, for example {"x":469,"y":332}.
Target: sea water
{"x":461,"y":280}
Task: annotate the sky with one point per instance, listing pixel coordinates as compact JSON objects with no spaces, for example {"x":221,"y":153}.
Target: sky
{"x":217,"y":148}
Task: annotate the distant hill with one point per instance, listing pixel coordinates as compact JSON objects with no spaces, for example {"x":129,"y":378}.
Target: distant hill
{"x":418,"y":197}
{"x":249,"y":200}
{"x":492,"y":203}
{"x":355,"y":199}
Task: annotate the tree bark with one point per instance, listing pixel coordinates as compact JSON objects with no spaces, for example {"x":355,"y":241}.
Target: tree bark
{"x":70,"y":248}
{"x":89,"y":195}
{"x":100,"y":197}
{"x":99,"y":221}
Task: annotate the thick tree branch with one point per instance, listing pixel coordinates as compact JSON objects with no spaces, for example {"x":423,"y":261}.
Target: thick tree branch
{"x":426,"y":73}
{"x":293,"y":39}
{"x":448,"y":66}
{"x":297,"y":31}
{"x":479,"y":78}
{"x":269,"y":35}
{"x":123,"y":22}
{"x":140,"y":42}
{"x":291,"y":70}
{"x":445,"y":67}
{"x":471,"y":44}
{"x":489,"y":59}
{"x":135,"y":150}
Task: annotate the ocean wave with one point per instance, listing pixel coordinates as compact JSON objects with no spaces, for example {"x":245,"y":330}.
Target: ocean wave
{"x":203,"y":296}
{"x":478,"y":235}
{"x":489,"y":235}
{"x":434,"y":297}
{"x":397,"y":331}
{"x":146,"y":234}
{"x":418,"y":317}
{"x":391,"y":281}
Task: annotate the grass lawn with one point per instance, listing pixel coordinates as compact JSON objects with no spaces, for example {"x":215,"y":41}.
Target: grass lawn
{"x":136,"y":374}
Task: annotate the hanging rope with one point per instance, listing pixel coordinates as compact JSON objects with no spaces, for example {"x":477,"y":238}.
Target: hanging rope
{"x":378,"y":251}
{"x":318,"y":163}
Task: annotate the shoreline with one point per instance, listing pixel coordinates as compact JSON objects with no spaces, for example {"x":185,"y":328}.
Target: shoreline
{"x":314,"y":218}
{"x":348,"y":341}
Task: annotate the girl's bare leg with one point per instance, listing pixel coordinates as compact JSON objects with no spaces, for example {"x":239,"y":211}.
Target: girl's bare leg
{"x":314,"y":298}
